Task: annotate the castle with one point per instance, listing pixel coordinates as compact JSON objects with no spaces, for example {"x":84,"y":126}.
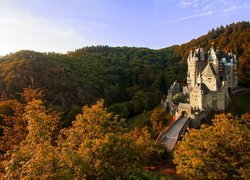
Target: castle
{"x":210,"y":77}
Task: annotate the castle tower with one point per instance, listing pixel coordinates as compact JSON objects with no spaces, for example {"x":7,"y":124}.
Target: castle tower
{"x":212,"y":58}
{"x":230,"y":70}
{"x":196,"y":63}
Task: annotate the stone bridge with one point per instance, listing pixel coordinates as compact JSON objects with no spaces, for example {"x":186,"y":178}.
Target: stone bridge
{"x":170,"y":136}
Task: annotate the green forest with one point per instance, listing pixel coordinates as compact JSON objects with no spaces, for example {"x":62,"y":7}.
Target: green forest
{"x":65,"y":115}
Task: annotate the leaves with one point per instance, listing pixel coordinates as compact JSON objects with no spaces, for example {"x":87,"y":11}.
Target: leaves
{"x":97,"y":138}
{"x":36,"y":156}
{"x":217,"y":151}
{"x":160,"y":119}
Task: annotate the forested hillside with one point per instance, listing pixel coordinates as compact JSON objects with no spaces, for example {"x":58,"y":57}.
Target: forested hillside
{"x":130,"y":80}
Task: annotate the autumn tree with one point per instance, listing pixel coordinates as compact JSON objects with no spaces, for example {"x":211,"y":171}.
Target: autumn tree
{"x":36,"y":157}
{"x":14,"y":123}
{"x":219,"y":151}
{"x":159,"y":119}
{"x":29,"y":94}
{"x":14,"y":126}
{"x":97,"y":138}
{"x":117,"y":157}
{"x":150,"y":148}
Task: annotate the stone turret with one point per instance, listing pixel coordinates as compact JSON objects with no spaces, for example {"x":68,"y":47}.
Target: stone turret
{"x":212,"y":58}
{"x":196,"y":63}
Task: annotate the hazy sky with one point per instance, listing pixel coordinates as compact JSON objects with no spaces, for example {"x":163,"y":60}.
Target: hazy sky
{"x":65,"y":25}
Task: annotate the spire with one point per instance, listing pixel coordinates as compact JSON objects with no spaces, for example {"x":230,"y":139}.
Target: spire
{"x":212,"y":58}
{"x":195,"y":53}
{"x":199,"y":79}
{"x":190,"y":55}
{"x":212,"y":52}
{"x":202,"y":54}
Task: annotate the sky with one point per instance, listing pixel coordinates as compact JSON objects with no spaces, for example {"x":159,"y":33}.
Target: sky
{"x":66,"y":25}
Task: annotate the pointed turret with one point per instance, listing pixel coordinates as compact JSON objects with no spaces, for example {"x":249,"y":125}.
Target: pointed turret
{"x":212,"y":58}
{"x":199,"y":79}
{"x":190,"y":56}
{"x":196,"y":54}
{"x":202,"y":54}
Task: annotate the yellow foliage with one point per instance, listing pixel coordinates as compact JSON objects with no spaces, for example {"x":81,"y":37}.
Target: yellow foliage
{"x":95,"y":147}
{"x":159,"y":119}
{"x":219,"y":151}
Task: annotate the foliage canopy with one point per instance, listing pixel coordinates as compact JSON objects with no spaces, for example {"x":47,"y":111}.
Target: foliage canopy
{"x":219,"y":151}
